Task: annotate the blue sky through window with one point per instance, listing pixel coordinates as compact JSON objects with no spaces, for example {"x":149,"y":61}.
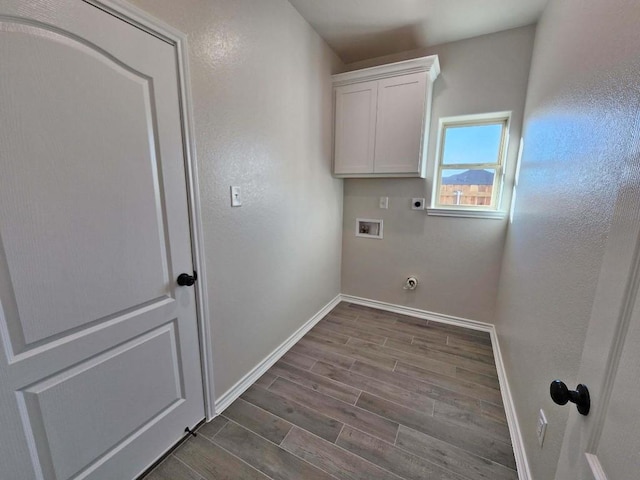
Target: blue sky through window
{"x":472,"y":144}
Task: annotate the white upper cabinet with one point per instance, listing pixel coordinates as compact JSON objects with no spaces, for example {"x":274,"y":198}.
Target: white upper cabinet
{"x":382,"y":119}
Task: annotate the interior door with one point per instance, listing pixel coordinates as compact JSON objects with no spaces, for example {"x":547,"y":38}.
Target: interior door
{"x":605,"y":444}
{"x":99,"y":359}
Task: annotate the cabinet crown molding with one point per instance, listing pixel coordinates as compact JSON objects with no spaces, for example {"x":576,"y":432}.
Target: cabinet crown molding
{"x":429,"y":64}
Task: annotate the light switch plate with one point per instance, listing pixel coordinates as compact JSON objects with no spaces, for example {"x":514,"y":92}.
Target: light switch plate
{"x":541,"y":427}
{"x":384,"y":202}
{"x":236,"y":199}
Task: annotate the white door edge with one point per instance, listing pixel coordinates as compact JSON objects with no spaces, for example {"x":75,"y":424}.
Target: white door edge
{"x":622,"y":327}
{"x":596,"y":469}
{"x":143,"y":20}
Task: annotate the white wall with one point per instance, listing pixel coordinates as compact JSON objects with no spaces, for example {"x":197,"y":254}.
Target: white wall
{"x":262,"y":100}
{"x":582,"y":106}
{"x":456,"y":259}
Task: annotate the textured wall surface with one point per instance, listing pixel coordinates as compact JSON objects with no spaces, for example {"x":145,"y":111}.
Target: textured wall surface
{"x":262,"y":104}
{"x":456,"y":259}
{"x":582,"y":109}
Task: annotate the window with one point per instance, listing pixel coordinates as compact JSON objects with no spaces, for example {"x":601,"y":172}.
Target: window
{"x":470,"y":165}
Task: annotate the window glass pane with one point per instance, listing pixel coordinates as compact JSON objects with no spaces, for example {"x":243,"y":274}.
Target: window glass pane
{"x":466,"y":187}
{"x":472,"y":144}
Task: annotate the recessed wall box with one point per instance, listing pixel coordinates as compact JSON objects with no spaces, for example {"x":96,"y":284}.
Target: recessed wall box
{"x":417,"y":203}
{"x":368,"y":228}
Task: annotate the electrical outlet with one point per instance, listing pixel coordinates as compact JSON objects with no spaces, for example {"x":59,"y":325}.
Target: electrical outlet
{"x":541,"y":427}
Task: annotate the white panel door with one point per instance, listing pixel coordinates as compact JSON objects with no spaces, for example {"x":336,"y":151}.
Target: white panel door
{"x":99,"y":359}
{"x":617,"y":450}
{"x":400,"y":124}
{"x":606,"y":443}
{"x":355,"y":128}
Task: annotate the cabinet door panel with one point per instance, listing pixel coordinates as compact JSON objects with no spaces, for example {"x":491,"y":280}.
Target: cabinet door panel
{"x":355,"y":128}
{"x":400,"y":121}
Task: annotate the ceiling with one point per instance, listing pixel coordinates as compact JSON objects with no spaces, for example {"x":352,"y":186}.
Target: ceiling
{"x":363,"y":29}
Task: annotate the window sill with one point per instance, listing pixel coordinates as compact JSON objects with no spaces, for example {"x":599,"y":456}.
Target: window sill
{"x":455,"y":212}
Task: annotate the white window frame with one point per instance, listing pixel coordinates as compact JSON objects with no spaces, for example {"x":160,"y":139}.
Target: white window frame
{"x":481,"y":211}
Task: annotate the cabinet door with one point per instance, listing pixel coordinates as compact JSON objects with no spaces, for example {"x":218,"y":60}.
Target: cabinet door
{"x":355,"y":128}
{"x":400,"y":123}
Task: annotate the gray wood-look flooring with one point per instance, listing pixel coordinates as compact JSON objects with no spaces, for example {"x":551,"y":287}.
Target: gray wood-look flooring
{"x":366,"y":394}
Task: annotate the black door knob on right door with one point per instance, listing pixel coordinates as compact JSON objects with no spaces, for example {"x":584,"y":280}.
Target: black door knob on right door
{"x":186,"y":280}
{"x":561,"y":395}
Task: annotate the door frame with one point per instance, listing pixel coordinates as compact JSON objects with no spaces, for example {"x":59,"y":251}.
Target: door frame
{"x":178,"y":40}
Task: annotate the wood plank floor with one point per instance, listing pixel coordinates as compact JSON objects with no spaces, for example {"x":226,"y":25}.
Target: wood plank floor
{"x":366,"y":394}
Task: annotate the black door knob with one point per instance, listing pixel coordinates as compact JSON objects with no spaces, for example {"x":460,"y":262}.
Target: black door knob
{"x":560,"y":394}
{"x":186,"y":280}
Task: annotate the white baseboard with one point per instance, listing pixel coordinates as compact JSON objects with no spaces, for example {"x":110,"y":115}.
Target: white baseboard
{"x":524,"y":473}
{"x":417,"y":313}
{"x":245,"y":382}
